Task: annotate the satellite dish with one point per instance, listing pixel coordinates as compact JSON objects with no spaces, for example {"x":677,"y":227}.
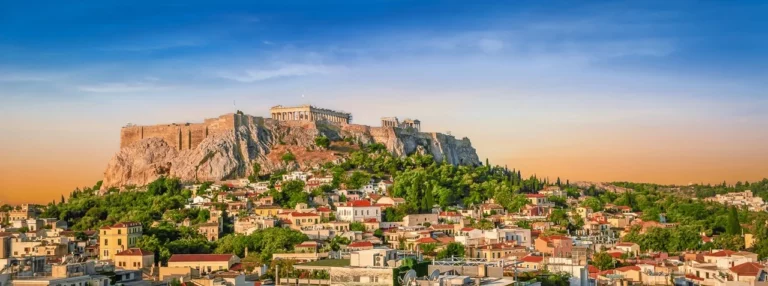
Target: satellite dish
{"x":408,"y":278}
{"x":435,"y":274}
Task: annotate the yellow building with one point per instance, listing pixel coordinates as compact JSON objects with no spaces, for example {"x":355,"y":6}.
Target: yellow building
{"x":117,"y":238}
{"x":134,"y":259}
{"x":267,"y":210}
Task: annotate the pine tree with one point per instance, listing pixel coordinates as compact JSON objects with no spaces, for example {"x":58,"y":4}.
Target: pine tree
{"x":558,"y":181}
{"x":62,"y":199}
{"x":733,"y":227}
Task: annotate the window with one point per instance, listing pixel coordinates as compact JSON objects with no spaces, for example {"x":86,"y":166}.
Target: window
{"x":119,"y":231}
{"x":106,"y":242}
{"x":119,"y":241}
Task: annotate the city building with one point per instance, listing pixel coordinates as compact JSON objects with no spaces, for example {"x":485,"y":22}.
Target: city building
{"x":117,"y":238}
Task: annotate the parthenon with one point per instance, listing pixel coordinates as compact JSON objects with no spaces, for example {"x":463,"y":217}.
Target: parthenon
{"x":309,"y":113}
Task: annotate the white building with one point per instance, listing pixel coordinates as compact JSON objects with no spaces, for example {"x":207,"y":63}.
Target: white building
{"x":357,"y":211}
{"x":296,"y":176}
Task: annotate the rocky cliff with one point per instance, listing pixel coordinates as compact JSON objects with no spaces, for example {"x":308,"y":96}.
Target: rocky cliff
{"x":229,"y":153}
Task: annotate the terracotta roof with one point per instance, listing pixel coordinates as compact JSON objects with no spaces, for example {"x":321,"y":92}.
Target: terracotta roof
{"x":592,"y":269}
{"x":446,"y":239}
{"x":535,"y":196}
{"x":358,"y":244}
{"x":426,"y":240}
{"x":200,"y":257}
{"x":532,"y":259}
{"x":450,"y":214}
{"x":628,"y":268}
{"x":370,"y":220}
{"x":358,"y":203}
{"x":135,"y":252}
{"x":236,"y":267}
{"x":299,"y":214}
{"x":747,"y":269}
{"x":722,"y":253}
{"x":323,"y":210}
{"x":467,"y":229}
{"x":693,"y":277}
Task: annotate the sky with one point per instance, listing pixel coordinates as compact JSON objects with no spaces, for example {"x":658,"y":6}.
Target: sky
{"x":670,"y":92}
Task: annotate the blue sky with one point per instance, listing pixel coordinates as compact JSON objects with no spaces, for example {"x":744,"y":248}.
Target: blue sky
{"x":530,"y":73}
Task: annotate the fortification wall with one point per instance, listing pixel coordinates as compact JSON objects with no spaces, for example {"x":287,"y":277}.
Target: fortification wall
{"x":181,"y":136}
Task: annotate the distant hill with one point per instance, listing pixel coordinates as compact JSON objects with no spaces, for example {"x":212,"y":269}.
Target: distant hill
{"x":226,"y":148}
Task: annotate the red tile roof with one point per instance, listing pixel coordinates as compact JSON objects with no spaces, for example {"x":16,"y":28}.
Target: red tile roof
{"x":532,"y":259}
{"x":359,"y":244}
{"x":300,"y":214}
{"x":323,"y":210}
{"x":628,"y":268}
{"x":467,"y":229}
{"x":135,"y":252}
{"x":722,"y":253}
{"x":693,"y":277}
{"x":535,"y":196}
{"x":747,"y":269}
{"x":358,"y":203}
{"x":426,"y":240}
{"x":449,"y":214}
{"x":200,"y":257}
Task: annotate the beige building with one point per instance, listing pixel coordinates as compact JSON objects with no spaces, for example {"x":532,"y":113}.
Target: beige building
{"x":117,"y":238}
{"x":134,"y":259}
{"x":209,"y":230}
{"x":206,"y":263}
{"x":419,"y":219}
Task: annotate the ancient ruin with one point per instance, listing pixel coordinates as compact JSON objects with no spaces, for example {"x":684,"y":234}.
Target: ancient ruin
{"x":407,"y":123}
{"x":309,"y":113}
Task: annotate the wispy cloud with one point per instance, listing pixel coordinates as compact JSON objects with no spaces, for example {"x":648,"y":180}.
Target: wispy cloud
{"x":149,"y":46}
{"x":26,"y":77}
{"x":122,"y":87}
{"x":288,"y":70}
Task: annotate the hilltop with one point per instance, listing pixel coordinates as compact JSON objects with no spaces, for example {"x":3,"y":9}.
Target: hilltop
{"x":227,"y":147}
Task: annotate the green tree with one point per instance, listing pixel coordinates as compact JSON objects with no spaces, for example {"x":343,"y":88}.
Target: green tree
{"x":357,"y":226}
{"x":322,"y":142}
{"x":733,"y":227}
{"x":593,"y":203}
{"x":288,"y":157}
{"x":453,"y":249}
{"x":603,"y":261}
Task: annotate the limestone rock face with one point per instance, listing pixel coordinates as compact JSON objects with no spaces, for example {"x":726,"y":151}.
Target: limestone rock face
{"x":230,"y":154}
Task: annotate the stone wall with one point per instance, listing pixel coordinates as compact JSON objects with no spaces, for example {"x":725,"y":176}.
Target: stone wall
{"x":181,"y":136}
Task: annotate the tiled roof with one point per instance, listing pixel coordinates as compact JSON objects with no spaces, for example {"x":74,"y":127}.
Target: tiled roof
{"x":122,"y":224}
{"x":722,"y":253}
{"x":426,"y":240}
{"x":628,"y":268}
{"x":535,"y":196}
{"x":300,"y":214}
{"x":467,"y":229}
{"x":359,"y":244}
{"x":323,"y":210}
{"x":532,"y":259}
{"x":358,"y":203}
{"x":135,"y":252}
{"x":747,"y":269}
{"x":200,"y":257}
